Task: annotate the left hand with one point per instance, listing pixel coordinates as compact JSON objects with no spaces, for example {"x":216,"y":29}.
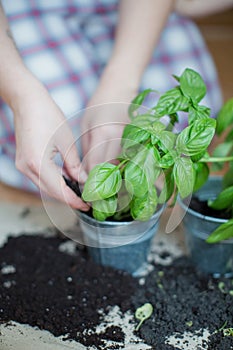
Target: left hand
{"x":104,"y":120}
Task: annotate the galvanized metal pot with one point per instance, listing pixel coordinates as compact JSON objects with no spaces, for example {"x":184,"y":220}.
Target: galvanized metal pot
{"x":121,"y":244}
{"x":215,"y":259}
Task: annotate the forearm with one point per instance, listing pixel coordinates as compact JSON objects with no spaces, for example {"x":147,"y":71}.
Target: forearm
{"x":200,"y":8}
{"x":15,"y":78}
{"x":139,"y":27}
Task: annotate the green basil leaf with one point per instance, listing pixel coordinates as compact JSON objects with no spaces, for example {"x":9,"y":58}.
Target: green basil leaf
{"x":144,"y":207}
{"x":135,"y":179}
{"x":168,"y":187}
{"x":225,"y":117}
{"x":176,"y":77}
{"x":130,"y":150}
{"x":201,"y":174}
{"x":198,"y":156}
{"x":195,"y":138}
{"x":171,"y":101}
{"x":133,"y":134}
{"x":145,"y":121}
{"x":140,"y":130}
{"x":222,"y":150}
{"x":137,"y":102}
{"x":142,"y":171}
{"x":228,"y":176}
{"x":184,"y":176}
{"x":123,"y":204}
{"x":192,"y":85}
{"x":166,"y":140}
{"x":222,"y":233}
{"x":148,"y":160}
{"x":104,"y":181}
{"x":197,"y":112}
{"x":224,"y":200}
{"x":104,"y":208}
{"x":229,"y":136}
{"x":167,"y":161}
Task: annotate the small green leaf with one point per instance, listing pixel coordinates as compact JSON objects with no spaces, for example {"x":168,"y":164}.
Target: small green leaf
{"x":135,"y":179}
{"x":225,"y":117}
{"x":171,"y":102}
{"x":228,"y":332}
{"x":168,"y":187}
{"x":142,"y":171}
{"x":104,"y":208}
{"x":228,"y":176}
{"x":199,"y":156}
{"x":221,"y":287}
{"x":192,"y":85}
{"x":195,"y":138}
{"x":229,"y":136}
{"x":133,"y":135}
{"x":223,"y":149}
{"x":201,"y":175}
{"x":144,"y":207}
{"x":167,"y":161}
{"x":198,"y":112}
{"x":166,"y":140}
{"x":224,"y":200}
{"x":222,"y":233}
{"x":184,"y":176}
{"x":104,"y":181}
{"x":143,"y":313}
{"x":137,"y":102}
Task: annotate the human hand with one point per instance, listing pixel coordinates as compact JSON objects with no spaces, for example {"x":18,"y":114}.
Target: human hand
{"x":104,"y":120}
{"x":42,"y":132}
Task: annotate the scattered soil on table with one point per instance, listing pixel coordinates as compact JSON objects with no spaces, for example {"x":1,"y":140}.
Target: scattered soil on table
{"x":44,"y":287}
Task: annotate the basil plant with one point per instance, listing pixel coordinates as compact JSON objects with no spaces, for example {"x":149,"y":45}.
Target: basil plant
{"x":151,"y":149}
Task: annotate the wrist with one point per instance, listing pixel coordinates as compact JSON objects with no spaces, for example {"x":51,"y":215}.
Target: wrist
{"x":20,"y":88}
{"x":122,"y":73}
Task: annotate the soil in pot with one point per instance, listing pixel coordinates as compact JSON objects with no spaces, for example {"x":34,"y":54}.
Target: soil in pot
{"x":42,"y":285}
{"x":202,"y":207}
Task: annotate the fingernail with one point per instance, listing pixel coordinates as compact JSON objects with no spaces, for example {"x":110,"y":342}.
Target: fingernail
{"x":85,"y":208}
{"x":82,"y":176}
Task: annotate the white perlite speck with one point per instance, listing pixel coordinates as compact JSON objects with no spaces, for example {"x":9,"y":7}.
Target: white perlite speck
{"x":68,"y":247}
{"x":6,"y":270}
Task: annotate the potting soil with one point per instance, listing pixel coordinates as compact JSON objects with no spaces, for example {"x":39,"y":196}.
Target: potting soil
{"x":70,"y":296}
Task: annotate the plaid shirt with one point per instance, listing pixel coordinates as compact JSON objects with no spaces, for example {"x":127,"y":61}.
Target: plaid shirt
{"x":67,"y":43}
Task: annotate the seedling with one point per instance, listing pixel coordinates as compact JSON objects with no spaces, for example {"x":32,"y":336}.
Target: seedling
{"x":228,"y":332}
{"x":189,"y":323}
{"x":143,"y":313}
{"x":221,"y":287}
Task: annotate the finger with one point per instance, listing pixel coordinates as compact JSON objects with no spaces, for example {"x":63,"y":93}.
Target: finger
{"x":72,"y":163}
{"x":52,"y":182}
{"x":85,"y":142}
{"x":97,"y":151}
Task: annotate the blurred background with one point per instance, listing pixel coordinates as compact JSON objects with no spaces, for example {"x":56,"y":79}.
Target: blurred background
{"x":218,"y":33}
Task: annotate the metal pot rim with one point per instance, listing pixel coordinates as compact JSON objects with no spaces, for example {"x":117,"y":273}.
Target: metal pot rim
{"x":106,"y":224}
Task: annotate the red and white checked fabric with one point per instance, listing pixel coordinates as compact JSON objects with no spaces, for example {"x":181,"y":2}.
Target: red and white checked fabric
{"x":66,"y":44}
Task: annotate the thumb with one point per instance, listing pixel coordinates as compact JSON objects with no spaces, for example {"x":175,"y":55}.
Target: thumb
{"x":73,"y":164}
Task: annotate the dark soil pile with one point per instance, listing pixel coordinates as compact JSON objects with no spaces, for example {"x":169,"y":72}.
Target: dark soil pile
{"x":63,"y":294}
